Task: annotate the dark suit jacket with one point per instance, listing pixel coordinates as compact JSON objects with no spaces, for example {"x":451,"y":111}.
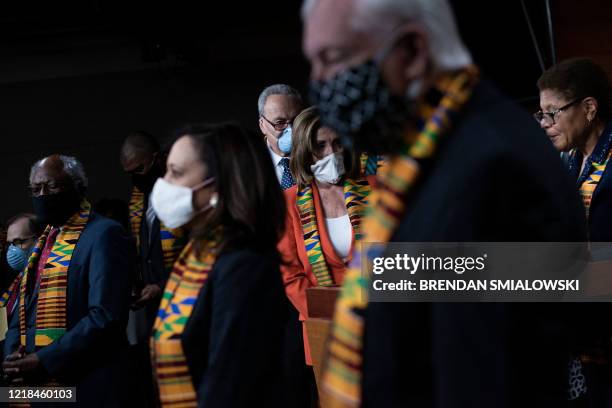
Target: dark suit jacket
{"x":91,"y":352}
{"x":496,"y":178}
{"x":151,"y":264}
{"x":600,"y":211}
{"x":234,"y":337}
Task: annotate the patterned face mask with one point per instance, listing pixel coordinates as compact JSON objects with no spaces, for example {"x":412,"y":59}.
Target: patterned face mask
{"x":359,"y":106}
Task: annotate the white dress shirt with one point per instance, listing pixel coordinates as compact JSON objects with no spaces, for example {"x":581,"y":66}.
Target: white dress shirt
{"x":278,"y":168}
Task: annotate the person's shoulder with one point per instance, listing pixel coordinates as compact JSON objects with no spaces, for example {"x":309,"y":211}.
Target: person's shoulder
{"x":494,"y":112}
{"x":290,"y":193}
{"x":291,"y":200}
{"x":247,"y":262}
{"x":99,"y":224}
{"x":492,"y":126}
{"x":247,"y":254}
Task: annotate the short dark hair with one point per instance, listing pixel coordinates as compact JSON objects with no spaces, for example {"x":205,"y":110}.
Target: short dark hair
{"x":578,"y":78}
{"x":33,"y":223}
{"x":140,"y":142}
{"x":251,"y":206}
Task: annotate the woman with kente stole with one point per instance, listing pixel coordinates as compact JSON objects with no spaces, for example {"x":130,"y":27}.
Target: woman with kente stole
{"x":217,"y":339}
{"x":324,"y":211}
{"x":576,"y":114}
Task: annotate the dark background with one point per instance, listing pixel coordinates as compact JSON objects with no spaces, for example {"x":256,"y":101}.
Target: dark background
{"x":77,"y":76}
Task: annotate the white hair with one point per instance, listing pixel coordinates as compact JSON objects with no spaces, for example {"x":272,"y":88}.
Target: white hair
{"x":276,"y":89}
{"x":72,"y":167}
{"x":445,"y":46}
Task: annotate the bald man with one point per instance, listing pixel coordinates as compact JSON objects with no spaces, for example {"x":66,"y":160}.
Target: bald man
{"x":73,"y":331}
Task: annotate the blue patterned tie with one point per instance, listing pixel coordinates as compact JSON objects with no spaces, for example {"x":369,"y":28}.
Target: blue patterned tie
{"x":287,"y":179}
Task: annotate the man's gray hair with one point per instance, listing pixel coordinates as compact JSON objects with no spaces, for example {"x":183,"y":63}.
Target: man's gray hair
{"x":72,"y":167}
{"x":276,"y":89}
{"x":445,"y":46}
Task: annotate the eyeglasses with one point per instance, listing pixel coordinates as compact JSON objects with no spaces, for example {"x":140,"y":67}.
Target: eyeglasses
{"x":279,"y":125}
{"x":549,"y":117}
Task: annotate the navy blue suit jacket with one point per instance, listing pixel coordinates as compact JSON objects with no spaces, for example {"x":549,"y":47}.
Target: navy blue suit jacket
{"x":89,"y":355}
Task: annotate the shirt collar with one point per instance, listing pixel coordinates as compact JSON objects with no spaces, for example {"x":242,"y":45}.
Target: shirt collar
{"x":275,"y":157}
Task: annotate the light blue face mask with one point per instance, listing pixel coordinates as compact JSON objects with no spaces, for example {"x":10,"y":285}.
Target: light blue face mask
{"x":284,"y":141}
{"x":17,"y":258}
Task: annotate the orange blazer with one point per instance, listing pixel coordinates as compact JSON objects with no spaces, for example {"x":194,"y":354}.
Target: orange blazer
{"x":296,"y":270}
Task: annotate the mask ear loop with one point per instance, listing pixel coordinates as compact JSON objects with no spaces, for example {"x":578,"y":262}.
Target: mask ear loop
{"x":203,"y":184}
{"x":214,"y":199}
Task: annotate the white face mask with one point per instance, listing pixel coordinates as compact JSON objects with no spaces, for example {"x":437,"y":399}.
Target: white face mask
{"x":173,"y":204}
{"x":329,"y":169}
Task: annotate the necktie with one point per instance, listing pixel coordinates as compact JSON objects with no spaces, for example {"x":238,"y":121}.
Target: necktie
{"x":150,"y":214}
{"x":287,"y":179}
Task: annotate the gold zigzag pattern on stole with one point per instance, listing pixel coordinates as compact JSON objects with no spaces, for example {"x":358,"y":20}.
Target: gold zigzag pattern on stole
{"x":188,"y":276}
{"x":590,"y":184}
{"x":51,"y":304}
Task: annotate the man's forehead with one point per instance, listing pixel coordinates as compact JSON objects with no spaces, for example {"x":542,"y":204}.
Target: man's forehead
{"x":49,"y":170}
{"x":281,"y":106}
{"x":19,"y":227}
{"x":329,"y":24}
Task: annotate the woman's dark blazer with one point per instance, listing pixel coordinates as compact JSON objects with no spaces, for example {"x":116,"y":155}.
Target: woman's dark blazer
{"x":233,"y":340}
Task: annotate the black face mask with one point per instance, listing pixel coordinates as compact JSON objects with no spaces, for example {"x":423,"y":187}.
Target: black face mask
{"x":56,"y":209}
{"x":145,"y":182}
{"x":358,"y":105}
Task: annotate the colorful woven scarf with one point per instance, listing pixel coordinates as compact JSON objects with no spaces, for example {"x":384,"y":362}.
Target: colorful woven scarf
{"x":587,"y":188}
{"x":342,"y":372}
{"x":51,"y":305}
{"x":356,"y":199}
{"x":189,"y":275}
{"x":372,"y":165}
{"x":588,"y":175}
{"x":10,"y":290}
{"x":172,"y":240}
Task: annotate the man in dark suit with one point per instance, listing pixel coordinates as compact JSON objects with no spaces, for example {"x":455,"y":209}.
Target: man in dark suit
{"x":74,"y":296}
{"x":157,"y":248}
{"x":481,"y":172}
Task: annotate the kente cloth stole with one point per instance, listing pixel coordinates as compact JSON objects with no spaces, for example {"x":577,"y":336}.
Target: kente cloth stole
{"x":356,"y":194}
{"x":51,"y":305}
{"x":388,"y":203}
{"x":172,"y":239}
{"x":11,"y":289}
{"x":372,"y":165}
{"x":189,"y":275}
{"x":590,"y":184}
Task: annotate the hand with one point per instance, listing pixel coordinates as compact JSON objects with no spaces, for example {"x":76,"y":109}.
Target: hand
{"x":148,"y":293}
{"x":17,"y":366}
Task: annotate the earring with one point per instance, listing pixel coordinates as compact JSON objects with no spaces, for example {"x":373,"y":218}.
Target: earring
{"x":414,"y":89}
{"x":214,"y":199}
